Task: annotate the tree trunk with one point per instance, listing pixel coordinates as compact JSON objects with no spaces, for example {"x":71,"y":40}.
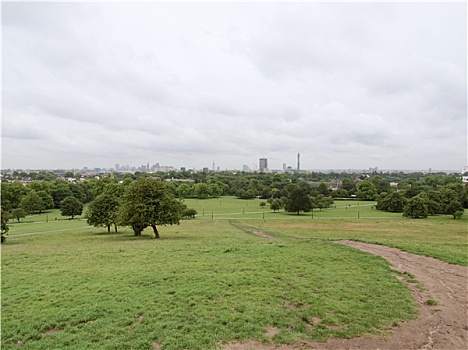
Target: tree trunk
{"x":138,"y":229}
{"x":108,"y":228}
{"x":156,"y":233}
{"x":115,"y":226}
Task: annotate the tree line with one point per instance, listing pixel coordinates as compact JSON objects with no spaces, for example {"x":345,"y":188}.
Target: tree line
{"x":415,"y":194}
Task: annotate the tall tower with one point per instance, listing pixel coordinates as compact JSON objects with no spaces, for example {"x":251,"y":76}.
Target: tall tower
{"x":263,"y":165}
{"x":298,"y":162}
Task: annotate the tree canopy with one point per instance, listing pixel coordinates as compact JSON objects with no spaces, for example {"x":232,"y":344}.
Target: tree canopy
{"x":70,"y":206}
{"x":416,"y":207}
{"x":298,"y":200}
{"x":103,"y":211}
{"x":149,"y":202}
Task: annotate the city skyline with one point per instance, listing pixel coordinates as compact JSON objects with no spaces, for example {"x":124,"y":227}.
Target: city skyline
{"x":259,"y":167}
{"x":348,"y":85}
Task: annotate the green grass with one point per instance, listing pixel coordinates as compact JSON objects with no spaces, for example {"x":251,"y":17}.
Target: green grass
{"x":207,"y":282}
{"x":441,"y":237}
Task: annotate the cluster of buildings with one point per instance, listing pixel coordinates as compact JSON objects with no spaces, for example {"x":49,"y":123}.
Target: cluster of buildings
{"x":262,"y":167}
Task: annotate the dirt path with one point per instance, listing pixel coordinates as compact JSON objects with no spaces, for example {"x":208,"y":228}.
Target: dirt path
{"x":255,"y":232}
{"x":443,"y":326}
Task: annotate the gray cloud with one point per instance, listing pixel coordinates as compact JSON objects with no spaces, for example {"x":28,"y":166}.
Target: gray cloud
{"x":346,"y":84}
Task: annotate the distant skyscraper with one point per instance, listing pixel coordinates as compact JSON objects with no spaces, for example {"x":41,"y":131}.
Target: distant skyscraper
{"x":263,"y":165}
{"x":298,"y":162}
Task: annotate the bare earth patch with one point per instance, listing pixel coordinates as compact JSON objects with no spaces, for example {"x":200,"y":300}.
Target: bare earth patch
{"x":255,"y":232}
{"x":443,"y":326}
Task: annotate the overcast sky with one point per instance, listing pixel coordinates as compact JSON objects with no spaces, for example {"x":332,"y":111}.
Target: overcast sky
{"x":347,"y":85}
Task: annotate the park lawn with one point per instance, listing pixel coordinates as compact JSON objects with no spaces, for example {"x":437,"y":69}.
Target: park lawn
{"x":233,"y":208}
{"x":48,"y":221}
{"x":205,"y":282}
{"x":441,"y":236}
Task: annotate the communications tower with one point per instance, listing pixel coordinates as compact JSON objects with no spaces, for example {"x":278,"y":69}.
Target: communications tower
{"x":298,"y":161}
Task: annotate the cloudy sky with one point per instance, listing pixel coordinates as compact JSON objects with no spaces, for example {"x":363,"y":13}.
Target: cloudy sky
{"x":348,"y":85}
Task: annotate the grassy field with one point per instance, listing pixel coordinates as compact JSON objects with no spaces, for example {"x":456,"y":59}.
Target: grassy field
{"x":205,"y":282}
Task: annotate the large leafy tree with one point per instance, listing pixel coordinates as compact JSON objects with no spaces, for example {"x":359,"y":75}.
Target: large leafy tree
{"x":416,"y":207}
{"x":70,"y":206}
{"x":103,"y":211}
{"x":202,"y":190}
{"x":18,"y":214}
{"x":366,"y":190}
{"x":60,"y":191}
{"x":393,"y":202}
{"x":31,"y":202}
{"x":47,"y":200}
{"x":12,"y":193}
{"x":148,"y":202}
{"x":322,"y":202}
{"x":298,"y":200}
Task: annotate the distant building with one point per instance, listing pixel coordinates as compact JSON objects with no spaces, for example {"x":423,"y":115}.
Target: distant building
{"x":245,"y":168}
{"x":263,"y":165}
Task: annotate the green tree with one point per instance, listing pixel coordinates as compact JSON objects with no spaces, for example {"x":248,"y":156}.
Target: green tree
{"x":103,"y":211}
{"x":366,"y":190}
{"x":347,"y":184}
{"x":4,"y":225}
{"x":60,"y":191}
{"x":148,"y":202}
{"x":189,"y":213}
{"x":298,"y":200}
{"x":449,"y":201}
{"x":275,"y":205}
{"x":18,"y":214}
{"x":47,"y":200}
{"x":393,"y":202}
{"x":262,"y":204}
{"x":12,"y":193}
{"x":202,"y":190}
{"x":70,"y":206}
{"x":434,"y":202}
{"x":323,"y":189}
{"x":380,"y":184}
{"x":31,"y":202}
{"x":340,"y":193}
{"x":323,"y":202}
{"x":184,"y":190}
{"x":416,"y":207}
{"x":454,"y":208}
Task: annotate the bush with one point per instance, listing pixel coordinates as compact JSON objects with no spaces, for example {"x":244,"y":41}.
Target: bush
{"x":189,"y":213}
